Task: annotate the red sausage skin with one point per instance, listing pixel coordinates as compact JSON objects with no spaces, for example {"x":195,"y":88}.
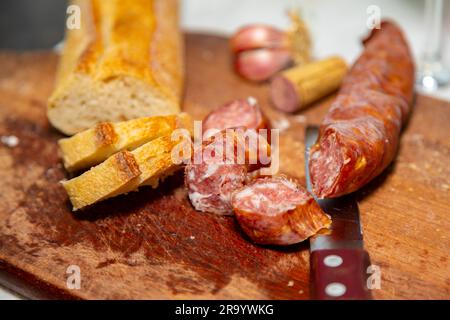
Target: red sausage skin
{"x":359,"y":136}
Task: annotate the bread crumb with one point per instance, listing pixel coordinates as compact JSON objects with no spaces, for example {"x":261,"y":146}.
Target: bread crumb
{"x":192,"y":237}
{"x":290,"y":283}
{"x":10,"y":141}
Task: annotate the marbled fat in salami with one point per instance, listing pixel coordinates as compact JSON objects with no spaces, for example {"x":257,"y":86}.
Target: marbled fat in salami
{"x":277,"y":211}
{"x":220,"y":167}
{"x":210,"y":186}
{"x":359,"y":136}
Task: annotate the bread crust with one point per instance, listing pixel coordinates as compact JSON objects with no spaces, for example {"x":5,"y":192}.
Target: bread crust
{"x":127,"y":166}
{"x":105,"y":134}
{"x":125,"y":61}
{"x":124,"y":172}
{"x":118,"y":174}
{"x":90,"y":147}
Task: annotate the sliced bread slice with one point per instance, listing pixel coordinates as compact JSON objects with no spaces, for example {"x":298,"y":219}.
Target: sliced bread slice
{"x":146,"y":165}
{"x":92,"y":146}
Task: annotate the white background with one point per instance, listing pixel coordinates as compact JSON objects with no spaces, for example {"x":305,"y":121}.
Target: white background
{"x":336,"y":26}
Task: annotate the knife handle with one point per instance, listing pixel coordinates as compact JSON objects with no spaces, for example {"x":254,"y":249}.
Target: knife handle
{"x":340,"y":274}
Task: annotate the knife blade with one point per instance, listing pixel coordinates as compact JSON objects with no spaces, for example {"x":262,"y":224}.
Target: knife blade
{"x":339,"y":262}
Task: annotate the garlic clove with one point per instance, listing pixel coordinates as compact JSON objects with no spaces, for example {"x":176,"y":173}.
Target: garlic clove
{"x":257,"y":36}
{"x":261,"y":64}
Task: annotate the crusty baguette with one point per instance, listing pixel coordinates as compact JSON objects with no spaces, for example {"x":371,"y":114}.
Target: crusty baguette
{"x":124,"y":172}
{"x":92,"y":146}
{"x":124,"y":62}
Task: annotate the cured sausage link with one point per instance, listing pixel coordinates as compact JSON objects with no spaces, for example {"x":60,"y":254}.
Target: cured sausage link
{"x":386,"y":65}
{"x":359,"y":136}
{"x":277,"y":211}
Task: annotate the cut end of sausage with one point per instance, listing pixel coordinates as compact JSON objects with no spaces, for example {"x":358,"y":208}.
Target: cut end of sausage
{"x":326,"y":162}
{"x":213,"y":174}
{"x":210,"y":185}
{"x":284,"y":95}
{"x":238,"y":113}
{"x":277,"y":211}
{"x":270,"y":196}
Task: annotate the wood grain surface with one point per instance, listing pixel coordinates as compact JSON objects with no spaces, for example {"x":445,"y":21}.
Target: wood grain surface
{"x":152,"y":244}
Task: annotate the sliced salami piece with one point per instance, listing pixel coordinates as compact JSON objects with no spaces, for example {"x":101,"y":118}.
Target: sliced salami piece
{"x":210,"y":186}
{"x":239,"y":113}
{"x":277,"y":211}
{"x":214,"y":173}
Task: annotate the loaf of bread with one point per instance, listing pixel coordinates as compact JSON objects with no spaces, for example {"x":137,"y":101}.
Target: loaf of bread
{"x":123,"y":172}
{"x":124,"y":62}
{"x":90,"y":147}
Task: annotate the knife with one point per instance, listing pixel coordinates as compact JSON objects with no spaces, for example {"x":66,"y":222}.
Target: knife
{"x":339,"y":263}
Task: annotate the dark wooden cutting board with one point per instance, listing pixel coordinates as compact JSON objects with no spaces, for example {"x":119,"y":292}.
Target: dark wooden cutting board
{"x":152,"y":244}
